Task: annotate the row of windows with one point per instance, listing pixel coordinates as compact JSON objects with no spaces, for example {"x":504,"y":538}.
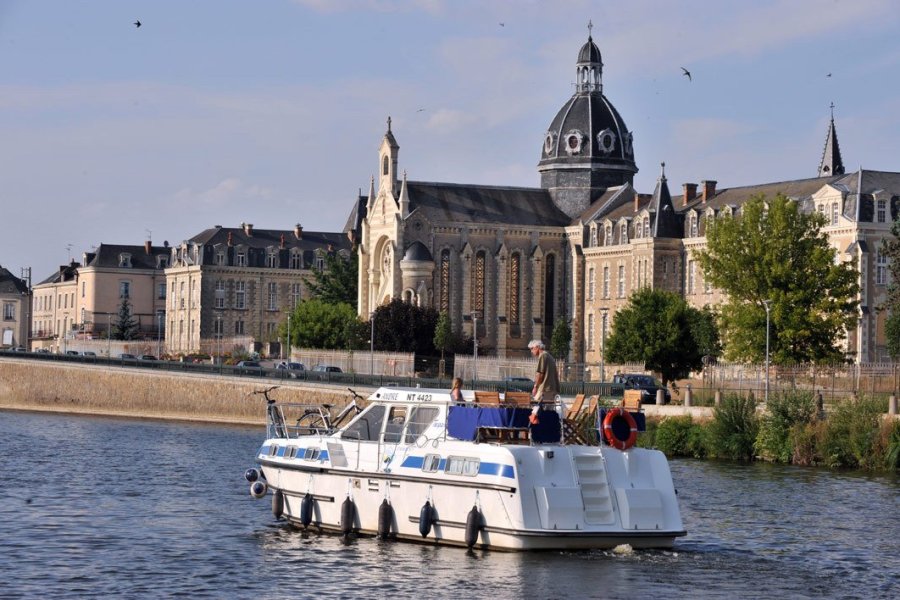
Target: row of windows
{"x":295,"y":259}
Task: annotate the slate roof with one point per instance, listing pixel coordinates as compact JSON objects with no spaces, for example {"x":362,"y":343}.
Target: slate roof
{"x":266,"y":238}
{"x":64,"y":273}
{"x":107,"y":255}
{"x":798,"y":189}
{"x":10,"y":284}
{"x":885,"y":183}
{"x":443,"y":202}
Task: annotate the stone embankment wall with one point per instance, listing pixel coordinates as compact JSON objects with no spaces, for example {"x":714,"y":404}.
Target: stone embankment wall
{"x":133,"y":392}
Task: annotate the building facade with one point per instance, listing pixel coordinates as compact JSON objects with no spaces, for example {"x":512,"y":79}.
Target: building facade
{"x":15,"y":304}
{"x":514,"y":261}
{"x":232,"y":287}
{"x":82,"y":300}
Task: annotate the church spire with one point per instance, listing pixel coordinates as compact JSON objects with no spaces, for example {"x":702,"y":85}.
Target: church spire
{"x":831,"y":164}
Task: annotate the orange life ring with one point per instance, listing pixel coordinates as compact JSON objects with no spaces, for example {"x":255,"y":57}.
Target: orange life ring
{"x":610,"y":436}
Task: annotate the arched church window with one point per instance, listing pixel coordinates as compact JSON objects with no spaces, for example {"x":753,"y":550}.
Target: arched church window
{"x":478,"y":288}
{"x":385,"y":165}
{"x":515,"y":292}
{"x":445,"y":281}
{"x":549,"y":295}
{"x":646,"y":226}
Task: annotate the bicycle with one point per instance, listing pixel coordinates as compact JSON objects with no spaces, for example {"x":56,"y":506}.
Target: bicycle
{"x":319,"y":419}
{"x":275,"y":417}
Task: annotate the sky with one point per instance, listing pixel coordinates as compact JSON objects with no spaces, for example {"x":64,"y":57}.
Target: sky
{"x":271,"y":112}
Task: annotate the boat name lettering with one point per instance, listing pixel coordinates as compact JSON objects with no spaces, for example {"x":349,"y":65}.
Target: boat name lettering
{"x":418,"y":397}
{"x":390,"y":396}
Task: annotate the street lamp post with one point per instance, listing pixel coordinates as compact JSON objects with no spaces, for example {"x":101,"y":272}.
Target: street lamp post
{"x":372,"y":344}
{"x":108,"y":334}
{"x":766,"y":303}
{"x":475,"y":316}
{"x":288,"y":353}
{"x":602,"y":344}
{"x":158,"y":334}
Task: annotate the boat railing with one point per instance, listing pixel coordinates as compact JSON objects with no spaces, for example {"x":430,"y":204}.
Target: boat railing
{"x":293,"y":420}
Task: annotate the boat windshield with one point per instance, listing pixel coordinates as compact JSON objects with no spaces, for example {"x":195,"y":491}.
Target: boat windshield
{"x":367,"y":426}
{"x":419,"y":419}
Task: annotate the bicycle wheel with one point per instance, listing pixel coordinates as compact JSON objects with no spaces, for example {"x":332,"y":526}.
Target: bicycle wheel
{"x":311,"y":423}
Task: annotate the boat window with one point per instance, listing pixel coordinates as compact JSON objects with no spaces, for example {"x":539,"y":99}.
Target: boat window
{"x":367,"y":426}
{"x":291,"y":452}
{"x":431,"y":463}
{"x":420,"y":418}
{"x":394,"y":426}
{"x":311,"y":454}
{"x":457,"y":465}
{"x":273,"y":450}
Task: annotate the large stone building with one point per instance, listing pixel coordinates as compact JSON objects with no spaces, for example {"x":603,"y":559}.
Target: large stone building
{"x":516,"y":260}
{"x":15,"y":304}
{"x":235,"y":286}
{"x":82,"y":300}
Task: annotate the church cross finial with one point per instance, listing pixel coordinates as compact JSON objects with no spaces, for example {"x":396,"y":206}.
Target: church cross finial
{"x":590,"y":27}
{"x":832,"y":111}
{"x":663,"y":166}
{"x":389,"y":124}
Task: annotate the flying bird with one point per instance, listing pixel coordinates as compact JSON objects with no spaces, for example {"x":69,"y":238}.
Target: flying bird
{"x":137,"y":23}
{"x":420,"y":110}
{"x":829,"y":75}
{"x":502,"y":24}
{"x":686,"y":73}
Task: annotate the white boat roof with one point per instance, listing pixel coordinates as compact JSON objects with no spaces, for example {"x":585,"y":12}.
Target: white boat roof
{"x":413,"y":395}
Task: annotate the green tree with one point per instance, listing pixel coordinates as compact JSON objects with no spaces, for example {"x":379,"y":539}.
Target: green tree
{"x":560,"y":339}
{"x":337,"y":282}
{"x":443,"y":333}
{"x":125,"y":326}
{"x":657,"y":328}
{"x":705,"y":331}
{"x":890,"y":247}
{"x":404,"y":327}
{"x":775,"y":252}
{"x":319,"y":324}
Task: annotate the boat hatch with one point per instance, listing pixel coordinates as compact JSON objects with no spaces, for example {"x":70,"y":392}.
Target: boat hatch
{"x":640,"y":508}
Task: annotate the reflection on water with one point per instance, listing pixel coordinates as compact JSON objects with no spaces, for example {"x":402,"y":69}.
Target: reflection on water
{"x":98,"y":506}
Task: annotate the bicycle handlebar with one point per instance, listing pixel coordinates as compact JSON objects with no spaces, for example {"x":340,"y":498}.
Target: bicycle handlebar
{"x":355,"y":395}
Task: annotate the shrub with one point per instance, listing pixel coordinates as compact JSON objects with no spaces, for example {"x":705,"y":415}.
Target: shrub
{"x":647,"y":439}
{"x":887,"y":446}
{"x":733,"y":429}
{"x":680,"y":436}
{"x":805,"y":441}
{"x":783,"y":413}
{"x":850,"y":434}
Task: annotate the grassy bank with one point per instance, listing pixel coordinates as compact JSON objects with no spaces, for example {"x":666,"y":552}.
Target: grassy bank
{"x":792,"y":430}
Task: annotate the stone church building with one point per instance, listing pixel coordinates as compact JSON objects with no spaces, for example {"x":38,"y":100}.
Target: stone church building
{"x":513,"y":261}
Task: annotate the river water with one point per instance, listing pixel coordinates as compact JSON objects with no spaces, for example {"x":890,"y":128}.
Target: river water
{"x":95,"y":506}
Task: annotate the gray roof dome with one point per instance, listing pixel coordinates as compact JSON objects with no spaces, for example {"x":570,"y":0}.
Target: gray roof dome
{"x":417,"y":251}
{"x":589,"y":53}
{"x":588,"y":130}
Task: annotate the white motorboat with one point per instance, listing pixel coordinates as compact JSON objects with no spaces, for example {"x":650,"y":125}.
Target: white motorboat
{"x":413,"y":465}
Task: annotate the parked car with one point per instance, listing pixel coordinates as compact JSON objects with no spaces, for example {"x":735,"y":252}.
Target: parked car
{"x":518,"y":384}
{"x":89,"y":353}
{"x":146,"y":357}
{"x":327,"y":369}
{"x":19,"y":349}
{"x":249,"y":367}
{"x":43,"y":351}
{"x":126,"y":356}
{"x":71,"y":352}
{"x":647,"y":384}
{"x":292,"y":368}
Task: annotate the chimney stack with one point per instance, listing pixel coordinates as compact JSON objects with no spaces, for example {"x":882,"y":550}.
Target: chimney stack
{"x":690,"y":192}
{"x":298,"y":231}
{"x":709,"y":189}
{"x":637,"y":202}
{"x":148,"y":246}
{"x":248,"y":229}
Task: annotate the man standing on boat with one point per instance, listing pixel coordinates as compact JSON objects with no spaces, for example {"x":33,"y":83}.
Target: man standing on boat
{"x":546,"y":380}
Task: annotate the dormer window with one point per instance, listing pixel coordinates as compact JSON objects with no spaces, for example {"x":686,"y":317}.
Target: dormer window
{"x":574,"y":140}
{"x":162,"y":262}
{"x":240,"y":259}
{"x":647,"y":227}
{"x":607,"y":240}
{"x":881,"y":211}
{"x":593,"y":237}
{"x":296,"y":259}
{"x":271,"y":258}
{"x":125,"y":260}
{"x":623,"y":233}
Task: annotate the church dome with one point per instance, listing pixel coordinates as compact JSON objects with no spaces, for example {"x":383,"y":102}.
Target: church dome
{"x":588,"y":131}
{"x":417,"y":251}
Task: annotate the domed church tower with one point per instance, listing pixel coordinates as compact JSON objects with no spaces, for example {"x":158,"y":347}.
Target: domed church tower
{"x":587,"y":148}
